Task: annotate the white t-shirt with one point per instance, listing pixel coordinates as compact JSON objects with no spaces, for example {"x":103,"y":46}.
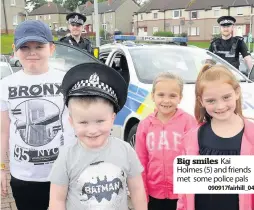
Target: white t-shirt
{"x":38,"y":118}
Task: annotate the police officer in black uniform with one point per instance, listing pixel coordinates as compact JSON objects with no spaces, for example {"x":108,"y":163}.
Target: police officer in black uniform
{"x":229,"y":47}
{"x":76,"y":22}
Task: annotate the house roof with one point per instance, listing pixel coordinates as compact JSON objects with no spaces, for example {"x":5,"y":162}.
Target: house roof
{"x":163,"y":5}
{"x":103,"y":7}
{"x":49,"y":8}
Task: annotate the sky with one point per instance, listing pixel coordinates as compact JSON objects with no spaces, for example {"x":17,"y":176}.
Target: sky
{"x":30,"y":7}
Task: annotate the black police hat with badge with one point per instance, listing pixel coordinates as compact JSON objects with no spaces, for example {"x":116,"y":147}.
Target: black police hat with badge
{"x":76,"y":18}
{"x":95,"y":79}
{"x":226,"y":20}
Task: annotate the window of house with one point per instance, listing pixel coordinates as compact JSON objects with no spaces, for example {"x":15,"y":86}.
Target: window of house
{"x":216,"y":12}
{"x":15,"y":20}
{"x":216,"y":30}
{"x":193,"y":31}
{"x":111,"y":16}
{"x":239,"y":11}
{"x":13,"y":2}
{"x":104,"y":26}
{"x":45,"y":17}
{"x":194,"y":14}
{"x":141,"y":17}
{"x":155,"y":15}
{"x":155,"y":29}
{"x":36,"y":17}
{"x":176,"y":29}
{"x":49,"y":17}
{"x":176,"y":13}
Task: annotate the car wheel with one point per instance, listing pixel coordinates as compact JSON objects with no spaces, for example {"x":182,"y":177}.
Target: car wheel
{"x":131,"y":139}
{"x":17,"y":64}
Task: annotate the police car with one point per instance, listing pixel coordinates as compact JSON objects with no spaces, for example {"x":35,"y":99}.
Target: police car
{"x":144,"y":62}
{"x":139,"y":63}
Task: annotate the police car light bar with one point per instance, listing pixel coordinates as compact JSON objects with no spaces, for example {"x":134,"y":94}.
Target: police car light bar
{"x":150,"y":38}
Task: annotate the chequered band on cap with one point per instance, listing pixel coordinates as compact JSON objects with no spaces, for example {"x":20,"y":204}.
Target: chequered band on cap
{"x":226,"y":22}
{"x":76,"y":20}
{"x":94,"y":82}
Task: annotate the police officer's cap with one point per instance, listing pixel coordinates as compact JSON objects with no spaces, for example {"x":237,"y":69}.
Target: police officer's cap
{"x":226,"y":20}
{"x":95,"y":79}
{"x":76,"y":18}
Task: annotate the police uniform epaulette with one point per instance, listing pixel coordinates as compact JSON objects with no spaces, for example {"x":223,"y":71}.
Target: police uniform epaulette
{"x":61,"y":39}
{"x":239,"y":37}
{"x":215,"y":39}
{"x":86,"y":39}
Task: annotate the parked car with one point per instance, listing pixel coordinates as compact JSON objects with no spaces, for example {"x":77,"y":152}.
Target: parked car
{"x":139,"y":64}
{"x":14,"y":61}
{"x":243,"y":67}
{"x":5,"y":67}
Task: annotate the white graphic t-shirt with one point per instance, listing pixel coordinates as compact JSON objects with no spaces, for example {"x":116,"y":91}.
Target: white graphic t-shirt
{"x":38,"y":119}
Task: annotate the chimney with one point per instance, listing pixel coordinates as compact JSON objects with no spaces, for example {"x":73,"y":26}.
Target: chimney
{"x":88,"y":4}
{"x":110,"y":2}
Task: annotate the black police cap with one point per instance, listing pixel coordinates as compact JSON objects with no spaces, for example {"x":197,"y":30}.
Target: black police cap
{"x":95,"y":79}
{"x":75,"y":17}
{"x":226,"y":20}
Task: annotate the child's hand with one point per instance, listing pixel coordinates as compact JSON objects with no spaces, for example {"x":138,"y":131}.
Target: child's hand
{"x":4,"y":183}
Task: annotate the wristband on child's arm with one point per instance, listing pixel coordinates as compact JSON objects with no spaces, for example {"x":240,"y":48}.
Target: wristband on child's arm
{"x":3,"y":167}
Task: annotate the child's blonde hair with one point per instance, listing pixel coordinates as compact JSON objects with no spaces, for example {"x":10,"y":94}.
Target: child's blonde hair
{"x":167,"y":75}
{"x":212,"y":73}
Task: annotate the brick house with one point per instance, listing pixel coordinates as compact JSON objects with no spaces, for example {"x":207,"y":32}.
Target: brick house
{"x":52,"y":14}
{"x":198,"y":19}
{"x":12,"y":13}
{"x":114,"y":15}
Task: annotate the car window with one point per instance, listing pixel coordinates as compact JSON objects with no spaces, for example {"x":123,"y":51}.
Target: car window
{"x":186,"y":62}
{"x":103,"y":56}
{"x":5,"y":71}
{"x":3,"y":58}
{"x":66,"y":56}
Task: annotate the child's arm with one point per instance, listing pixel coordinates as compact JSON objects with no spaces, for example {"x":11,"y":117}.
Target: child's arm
{"x":137,"y":192}
{"x":135,"y":182}
{"x":140,"y":147}
{"x":59,"y":182}
{"x":191,"y":123}
{"x":58,"y":196}
{"x":181,"y":203}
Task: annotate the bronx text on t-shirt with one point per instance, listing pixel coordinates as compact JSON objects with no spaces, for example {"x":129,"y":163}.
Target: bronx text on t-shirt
{"x":35,"y":91}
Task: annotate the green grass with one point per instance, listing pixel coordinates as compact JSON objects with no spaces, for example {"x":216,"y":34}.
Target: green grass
{"x":200,"y":44}
{"x":6,"y":43}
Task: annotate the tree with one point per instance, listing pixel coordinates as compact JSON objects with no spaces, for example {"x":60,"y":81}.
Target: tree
{"x":58,"y":2}
{"x":35,"y":3}
{"x":72,"y":4}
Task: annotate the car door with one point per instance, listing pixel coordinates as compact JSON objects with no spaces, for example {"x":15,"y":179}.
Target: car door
{"x":66,"y":56}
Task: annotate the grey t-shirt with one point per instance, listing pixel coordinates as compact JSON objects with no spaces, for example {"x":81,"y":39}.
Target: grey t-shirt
{"x":96,"y":179}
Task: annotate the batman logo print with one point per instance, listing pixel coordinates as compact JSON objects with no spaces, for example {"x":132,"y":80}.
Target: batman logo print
{"x":102,"y":186}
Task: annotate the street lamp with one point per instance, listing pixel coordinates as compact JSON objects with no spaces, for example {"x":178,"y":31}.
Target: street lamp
{"x":97,"y":28}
